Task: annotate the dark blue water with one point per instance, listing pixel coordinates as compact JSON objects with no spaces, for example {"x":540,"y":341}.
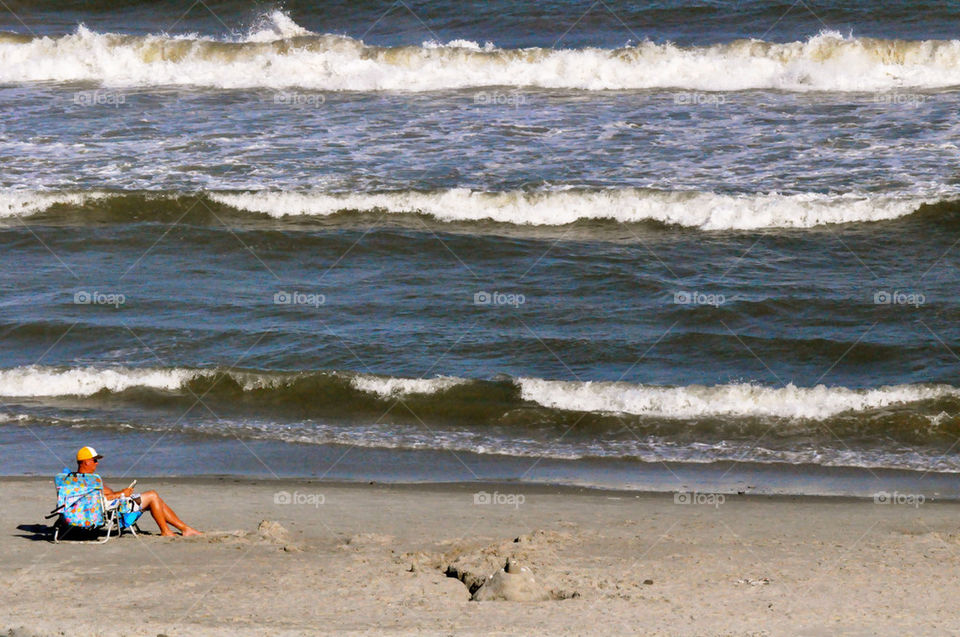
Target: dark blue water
{"x":572,"y":24}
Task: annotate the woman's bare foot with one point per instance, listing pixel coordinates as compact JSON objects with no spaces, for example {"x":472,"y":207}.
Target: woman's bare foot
{"x":167,"y":534}
{"x":190,"y":531}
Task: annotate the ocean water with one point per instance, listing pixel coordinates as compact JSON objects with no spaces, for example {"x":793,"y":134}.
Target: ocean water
{"x":558,"y":241}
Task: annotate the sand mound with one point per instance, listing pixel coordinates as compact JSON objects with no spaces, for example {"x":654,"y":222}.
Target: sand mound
{"x":273,"y":531}
{"x":483,"y":566}
{"x":512,"y":583}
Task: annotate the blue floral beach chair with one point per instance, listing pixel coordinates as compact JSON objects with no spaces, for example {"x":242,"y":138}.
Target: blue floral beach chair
{"x":81,"y":506}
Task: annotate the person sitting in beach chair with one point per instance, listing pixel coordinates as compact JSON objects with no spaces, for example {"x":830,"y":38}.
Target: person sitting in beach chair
{"x":82,"y":507}
{"x":163,"y":515}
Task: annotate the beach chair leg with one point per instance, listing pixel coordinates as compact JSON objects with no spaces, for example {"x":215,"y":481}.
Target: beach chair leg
{"x":107,"y":538}
{"x":60,"y":531}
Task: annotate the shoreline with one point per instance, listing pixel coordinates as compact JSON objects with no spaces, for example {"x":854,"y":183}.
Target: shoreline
{"x":401,"y":559}
{"x":458,"y":487}
{"x":176,"y":455}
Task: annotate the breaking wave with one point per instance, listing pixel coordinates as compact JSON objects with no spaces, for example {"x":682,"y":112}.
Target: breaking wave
{"x":684,"y":402}
{"x":899,"y":426}
{"x":276,"y":53}
{"x":703,"y":210}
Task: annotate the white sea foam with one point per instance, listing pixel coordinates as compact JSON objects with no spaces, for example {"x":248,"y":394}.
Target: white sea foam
{"x":708,"y":211}
{"x":278,"y":53}
{"x":274,"y":25}
{"x":37,"y":381}
{"x":391,"y":387}
{"x":705,"y":210}
{"x":743,"y":399}
{"x":21,"y":202}
{"x":85,"y":381}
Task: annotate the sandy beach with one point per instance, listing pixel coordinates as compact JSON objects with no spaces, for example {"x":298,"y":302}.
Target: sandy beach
{"x":296,"y":557}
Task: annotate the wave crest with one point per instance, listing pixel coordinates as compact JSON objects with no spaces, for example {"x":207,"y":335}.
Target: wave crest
{"x":738,"y":399}
{"x":703,"y":210}
{"x":277,"y":53}
{"x":743,"y":400}
{"x":274,"y":25}
{"x":708,"y":211}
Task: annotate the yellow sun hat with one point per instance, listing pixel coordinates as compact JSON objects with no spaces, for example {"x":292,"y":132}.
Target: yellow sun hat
{"x":88,"y":453}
